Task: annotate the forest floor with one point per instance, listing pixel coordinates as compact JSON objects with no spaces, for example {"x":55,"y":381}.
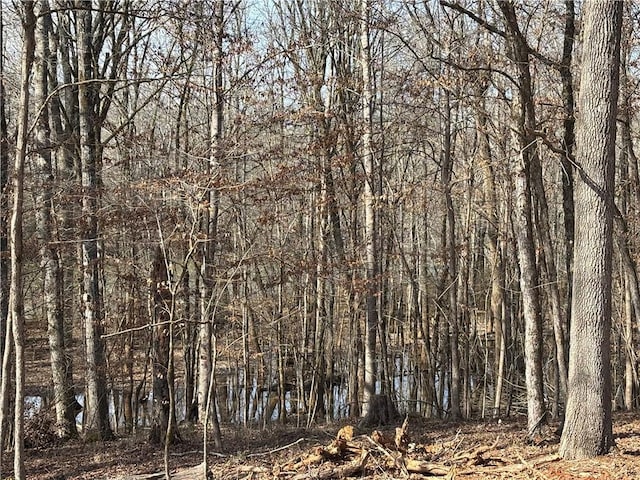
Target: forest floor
{"x":424,"y":449}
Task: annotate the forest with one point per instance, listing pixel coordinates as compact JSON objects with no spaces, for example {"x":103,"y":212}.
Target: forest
{"x":227,"y":218}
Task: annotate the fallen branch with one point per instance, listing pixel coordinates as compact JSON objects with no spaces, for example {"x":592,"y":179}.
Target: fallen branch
{"x":533,"y":467}
{"x":191,"y":452}
{"x":475,"y":456}
{"x":284,"y":447}
{"x":324,"y":473}
{"x":189,"y":473}
{"x":395,"y":461}
{"x":426,"y":468}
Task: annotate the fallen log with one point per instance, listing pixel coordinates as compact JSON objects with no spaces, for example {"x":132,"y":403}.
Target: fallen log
{"x":425,"y":468}
{"x":326,"y":472}
{"x":190,"y":473}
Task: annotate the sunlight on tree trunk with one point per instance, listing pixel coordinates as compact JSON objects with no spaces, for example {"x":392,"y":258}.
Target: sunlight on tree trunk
{"x":370,"y":224}
{"x":96,"y":413}
{"x":49,"y":252}
{"x":16,"y":300}
{"x":587,"y":429}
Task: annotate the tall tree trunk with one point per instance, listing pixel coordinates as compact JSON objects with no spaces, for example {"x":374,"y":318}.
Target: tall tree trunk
{"x":210,"y":230}
{"x":49,"y":256}
{"x":5,"y":258}
{"x":494,"y":254}
{"x":526,"y":167}
{"x":320,"y":319}
{"x":16,"y":300}
{"x":128,"y":359}
{"x":587,"y":429}
{"x":531,"y":307}
{"x":451,"y":255}
{"x":624,"y":232}
{"x":567,"y":158}
{"x":4,"y":199}
{"x":64,"y":122}
{"x":370,"y":223}
{"x":96,"y":411}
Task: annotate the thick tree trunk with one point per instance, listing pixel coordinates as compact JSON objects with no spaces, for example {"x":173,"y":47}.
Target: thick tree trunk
{"x":587,"y":429}
{"x":96,"y":411}
{"x":63,"y":105}
{"x":49,"y":255}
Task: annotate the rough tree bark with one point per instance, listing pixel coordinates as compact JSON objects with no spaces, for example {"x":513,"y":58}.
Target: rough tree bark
{"x":525,"y":172}
{"x":64,"y":399}
{"x":96,"y":411}
{"x":588,"y":428}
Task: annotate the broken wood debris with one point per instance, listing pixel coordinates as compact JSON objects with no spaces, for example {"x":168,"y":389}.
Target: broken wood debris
{"x":349,"y":455}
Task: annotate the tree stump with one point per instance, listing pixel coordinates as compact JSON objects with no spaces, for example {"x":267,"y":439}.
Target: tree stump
{"x":382,"y":411}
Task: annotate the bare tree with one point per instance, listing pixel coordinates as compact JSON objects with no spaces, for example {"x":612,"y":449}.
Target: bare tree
{"x":209,"y":220}
{"x":64,"y":399}
{"x":5,"y":260}
{"x":96,"y":412}
{"x":588,"y":427}
{"x":4,"y":196}
{"x":16,"y":299}
{"x":370,"y":216}
{"x":526,"y":162}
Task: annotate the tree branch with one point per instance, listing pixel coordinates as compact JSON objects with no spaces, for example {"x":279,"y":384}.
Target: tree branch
{"x":474,"y":17}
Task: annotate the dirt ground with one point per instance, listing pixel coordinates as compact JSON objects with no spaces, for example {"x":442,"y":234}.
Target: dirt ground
{"x":425,"y":449}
